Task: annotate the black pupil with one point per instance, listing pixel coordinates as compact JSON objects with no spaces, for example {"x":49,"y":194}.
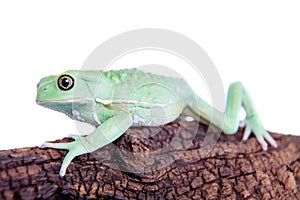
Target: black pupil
{"x":65,"y":82}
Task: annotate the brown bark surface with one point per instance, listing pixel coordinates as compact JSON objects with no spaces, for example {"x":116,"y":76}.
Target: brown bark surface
{"x":231,"y":170}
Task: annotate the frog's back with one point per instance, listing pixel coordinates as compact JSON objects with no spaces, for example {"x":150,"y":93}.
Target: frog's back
{"x":127,"y":83}
{"x":138,"y":77}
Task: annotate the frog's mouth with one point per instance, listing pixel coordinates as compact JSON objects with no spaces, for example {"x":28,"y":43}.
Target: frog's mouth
{"x":74,"y":100}
{"x":54,"y":101}
{"x":57,"y":105}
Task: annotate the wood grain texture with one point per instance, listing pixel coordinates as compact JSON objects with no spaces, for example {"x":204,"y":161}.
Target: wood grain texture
{"x":231,"y":170}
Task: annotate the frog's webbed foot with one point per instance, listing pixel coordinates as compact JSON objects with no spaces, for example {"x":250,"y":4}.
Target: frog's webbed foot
{"x":254,"y":125}
{"x":75,"y":148}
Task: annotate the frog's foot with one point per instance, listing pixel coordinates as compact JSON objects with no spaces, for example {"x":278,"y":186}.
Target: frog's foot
{"x":254,"y":125}
{"x":75,"y":148}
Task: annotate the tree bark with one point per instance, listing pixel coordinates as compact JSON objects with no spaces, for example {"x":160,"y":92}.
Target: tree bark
{"x":169,"y":162}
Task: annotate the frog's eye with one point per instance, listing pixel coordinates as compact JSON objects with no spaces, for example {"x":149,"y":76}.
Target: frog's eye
{"x":65,"y":82}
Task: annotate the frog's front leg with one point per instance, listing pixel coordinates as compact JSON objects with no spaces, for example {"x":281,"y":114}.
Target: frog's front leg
{"x":109,"y":131}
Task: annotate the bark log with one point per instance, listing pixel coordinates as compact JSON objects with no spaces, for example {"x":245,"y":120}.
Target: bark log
{"x":158,"y":163}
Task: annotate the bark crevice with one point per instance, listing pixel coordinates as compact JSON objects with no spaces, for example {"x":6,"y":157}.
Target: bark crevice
{"x":156,"y":163}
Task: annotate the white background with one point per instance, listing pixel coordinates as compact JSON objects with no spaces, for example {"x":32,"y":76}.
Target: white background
{"x":256,"y":42}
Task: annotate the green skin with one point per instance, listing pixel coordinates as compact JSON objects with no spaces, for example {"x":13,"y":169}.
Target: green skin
{"x":113,"y":101}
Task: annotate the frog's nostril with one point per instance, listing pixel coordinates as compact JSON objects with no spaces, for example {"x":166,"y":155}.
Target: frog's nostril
{"x":44,"y":89}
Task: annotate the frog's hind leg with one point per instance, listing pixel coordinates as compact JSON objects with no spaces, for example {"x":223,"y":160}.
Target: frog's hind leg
{"x":237,"y":98}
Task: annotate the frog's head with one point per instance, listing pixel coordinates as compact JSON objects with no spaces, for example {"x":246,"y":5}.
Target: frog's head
{"x":63,"y":91}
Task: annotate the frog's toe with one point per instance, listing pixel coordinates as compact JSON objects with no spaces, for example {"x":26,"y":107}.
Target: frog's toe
{"x":262,"y":136}
{"x":76,"y":148}
{"x":243,"y":123}
{"x":255,"y":125}
{"x":67,"y":160}
{"x":56,"y":145}
{"x":270,"y":139}
{"x":247,"y":133}
{"x":261,"y":140}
